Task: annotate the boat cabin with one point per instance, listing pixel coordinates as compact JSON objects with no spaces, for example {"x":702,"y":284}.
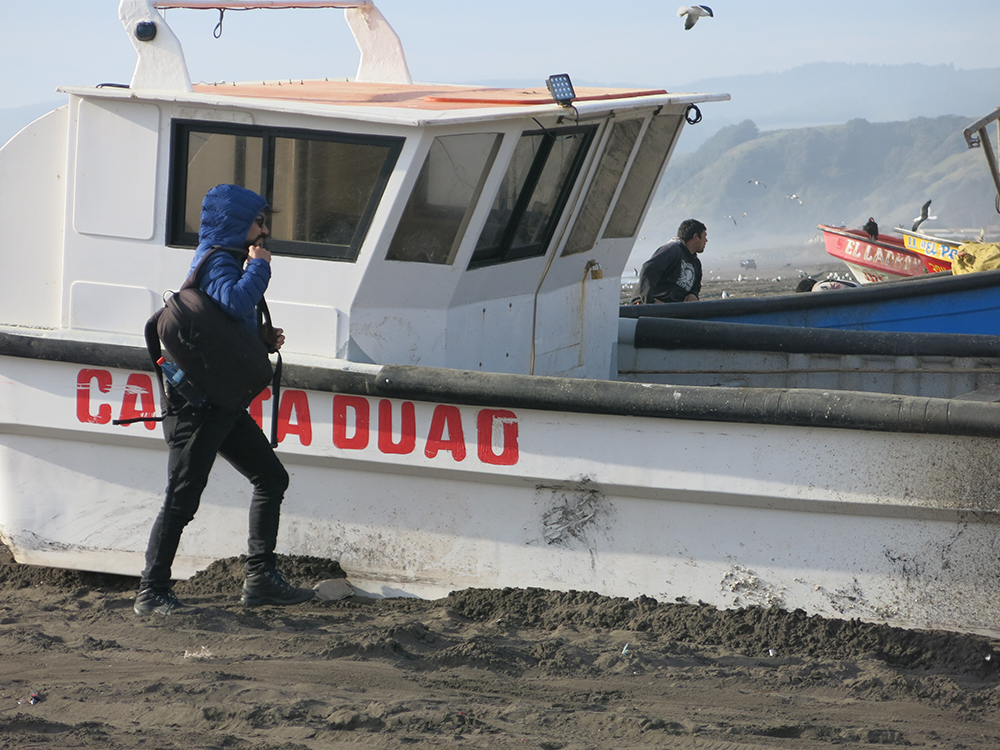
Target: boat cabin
{"x":448,"y":226}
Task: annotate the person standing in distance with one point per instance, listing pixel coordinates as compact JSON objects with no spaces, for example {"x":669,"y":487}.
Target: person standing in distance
{"x":673,"y":272}
{"x":235,"y":277}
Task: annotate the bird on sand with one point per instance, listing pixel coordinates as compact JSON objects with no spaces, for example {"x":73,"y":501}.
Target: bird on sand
{"x":918,"y":220}
{"x":693,"y":13}
{"x":871,"y":228}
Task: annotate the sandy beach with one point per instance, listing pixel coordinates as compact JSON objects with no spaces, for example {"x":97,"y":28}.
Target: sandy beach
{"x":478,"y":669}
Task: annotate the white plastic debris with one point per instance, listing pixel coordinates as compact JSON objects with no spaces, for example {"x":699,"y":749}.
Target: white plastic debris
{"x":333,"y":589}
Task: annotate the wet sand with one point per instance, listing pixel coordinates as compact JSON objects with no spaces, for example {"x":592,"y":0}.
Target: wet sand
{"x":478,"y":669}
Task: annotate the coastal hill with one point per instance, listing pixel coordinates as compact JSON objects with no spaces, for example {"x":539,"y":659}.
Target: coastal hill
{"x":767,"y":189}
{"x":834,"y":93}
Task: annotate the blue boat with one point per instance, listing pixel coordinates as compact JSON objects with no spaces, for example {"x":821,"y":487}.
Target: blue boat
{"x":937,"y":303}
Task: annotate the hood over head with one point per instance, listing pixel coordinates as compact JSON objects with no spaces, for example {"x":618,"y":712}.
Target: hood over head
{"x":227,"y":212}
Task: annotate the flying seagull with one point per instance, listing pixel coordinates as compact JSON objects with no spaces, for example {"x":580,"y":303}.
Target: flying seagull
{"x":871,"y":228}
{"x":918,"y":220}
{"x":794,"y":197}
{"x":693,"y":13}
{"x":728,"y":216}
{"x":756,"y":182}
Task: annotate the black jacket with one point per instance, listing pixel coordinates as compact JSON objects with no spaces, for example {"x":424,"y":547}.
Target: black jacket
{"x":670,"y":275}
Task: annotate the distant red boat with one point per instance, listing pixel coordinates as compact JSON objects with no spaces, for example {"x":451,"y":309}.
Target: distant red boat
{"x":874,"y":261}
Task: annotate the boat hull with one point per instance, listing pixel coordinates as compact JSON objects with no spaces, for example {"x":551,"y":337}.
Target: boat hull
{"x":875,"y":261}
{"x":740,"y":355}
{"x":421,"y":481}
{"x":933,"y":248}
{"x":969,"y":303}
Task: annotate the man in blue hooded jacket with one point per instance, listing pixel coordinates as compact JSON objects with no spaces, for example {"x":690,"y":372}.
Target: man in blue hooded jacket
{"x":235,"y":219}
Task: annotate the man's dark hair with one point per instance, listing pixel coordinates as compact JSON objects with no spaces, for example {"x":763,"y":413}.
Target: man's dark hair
{"x":806,"y":285}
{"x":689,"y":228}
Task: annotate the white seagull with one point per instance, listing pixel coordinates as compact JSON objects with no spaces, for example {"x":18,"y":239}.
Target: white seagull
{"x":756,"y":182}
{"x":918,"y":220}
{"x":693,"y":13}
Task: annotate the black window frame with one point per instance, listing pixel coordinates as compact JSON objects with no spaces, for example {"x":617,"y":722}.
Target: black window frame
{"x":504,"y":253}
{"x":177,"y":189}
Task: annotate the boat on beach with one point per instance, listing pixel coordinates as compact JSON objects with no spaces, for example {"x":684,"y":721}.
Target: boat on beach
{"x":937,"y":303}
{"x":873,"y":261}
{"x":938,"y":251}
{"x":462,"y":404}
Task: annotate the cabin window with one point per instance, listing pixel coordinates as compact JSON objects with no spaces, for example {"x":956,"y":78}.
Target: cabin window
{"x":326,"y":186}
{"x":642,"y":177}
{"x":532,"y":195}
{"x":443,"y":198}
{"x":602,"y":189}
{"x":216,"y":158}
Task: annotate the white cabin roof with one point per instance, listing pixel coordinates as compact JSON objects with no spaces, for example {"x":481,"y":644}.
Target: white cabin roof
{"x":411,"y":105}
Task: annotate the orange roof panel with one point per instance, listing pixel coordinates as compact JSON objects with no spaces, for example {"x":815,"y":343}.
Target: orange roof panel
{"x":412,"y":96}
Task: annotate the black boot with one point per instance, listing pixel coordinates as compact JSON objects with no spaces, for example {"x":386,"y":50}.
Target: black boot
{"x":270,"y":587}
{"x":150,"y":602}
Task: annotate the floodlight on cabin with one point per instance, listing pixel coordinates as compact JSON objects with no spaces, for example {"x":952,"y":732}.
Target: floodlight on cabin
{"x":145,"y":31}
{"x":561,"y":89}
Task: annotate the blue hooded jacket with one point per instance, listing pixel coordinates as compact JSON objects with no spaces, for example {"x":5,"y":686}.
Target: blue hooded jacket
{"x":227,"y":213}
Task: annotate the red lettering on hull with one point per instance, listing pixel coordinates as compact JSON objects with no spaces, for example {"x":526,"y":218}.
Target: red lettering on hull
{"x":83,"y":380}
{"x":362,"y":412}
{"x":396,"y":431}
{"x":488,"y":420}
{"x":407,"y":428}
{"x":297,"y":402}
{"x":139,"y":390}
{"x":446,"y":419}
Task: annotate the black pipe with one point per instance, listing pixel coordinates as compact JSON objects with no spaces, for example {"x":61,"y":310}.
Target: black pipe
{"x":672,"y":333}
{"x":778,"y":406}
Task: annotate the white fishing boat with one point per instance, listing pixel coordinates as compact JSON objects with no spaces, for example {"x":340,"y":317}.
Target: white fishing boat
{"x":461,"y":404}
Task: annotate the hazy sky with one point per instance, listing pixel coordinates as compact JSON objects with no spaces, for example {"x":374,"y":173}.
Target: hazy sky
{"x":48,"y":43}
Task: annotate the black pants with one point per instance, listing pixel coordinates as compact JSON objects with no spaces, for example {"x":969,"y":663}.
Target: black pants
{"x":195,"y":437}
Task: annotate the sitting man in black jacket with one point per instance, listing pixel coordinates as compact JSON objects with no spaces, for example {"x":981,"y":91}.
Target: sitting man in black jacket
{"x":673,"y":273}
